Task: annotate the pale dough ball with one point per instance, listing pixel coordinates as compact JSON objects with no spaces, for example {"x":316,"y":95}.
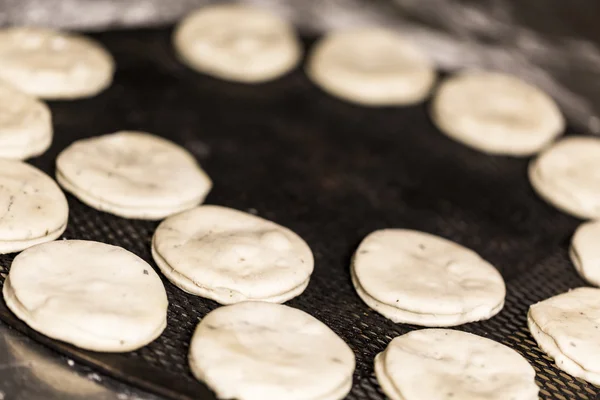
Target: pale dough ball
{"x":442,"y":364}
{"x":92,"y":295}
{"x":133,"y":175}
{"x":371,"y":66}
{"x":230,"y":256}
{"x":25,"y":124}
{"x":567,"y":175}
{"x":496,"y":113}
{"x":567,"y":328}
{"x":264,"y":351}
{"x":237,"y":42}
{"x":585,"y":251}
{"x":53,"y":65}
{"x":416,"y":278}
{"x":33,"y":209}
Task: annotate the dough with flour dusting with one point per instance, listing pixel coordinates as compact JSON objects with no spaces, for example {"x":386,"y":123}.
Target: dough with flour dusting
{"x":567,"y":328}
{"x":371,"y":66}
{"x":25,"y":124}
{"x":133,"y":175}
{"x":237,"y":42}
{"x":90,"y":294}
{"x":263,"y":351}
{"x":230,"y":256}
{"x":496,"y":113}
{"x":443,"y":364}
{"x":567,"y":175}
{"x":52,"y":64}
{"x":585,"y":251}
{"x":416,"y":278}
{"x":33,"y":209}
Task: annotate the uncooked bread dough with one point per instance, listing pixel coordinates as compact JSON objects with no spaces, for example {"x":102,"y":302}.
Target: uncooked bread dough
{"x":264,"y":351}
{"x":93,"y":295}
{"x":53,"y":65}
{"x":567,"y":328}
{"x":417,"y":278}
{"x":567,"y":175}
{"x":442,"y":364}
{"x":33,"y":209}
{"x":133,"y":175}
{"x":231,"y":256}
{"x":496,"y":113}
{"x":585,"y":251}
{"x":237,"y":42}
{"x":371,"y":66}
{"x":25,"y":124}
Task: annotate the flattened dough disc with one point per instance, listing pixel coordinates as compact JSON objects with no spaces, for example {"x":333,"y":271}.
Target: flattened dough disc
{"x":567,"y":328}
{"x":585,"y":251}
{"x":442,"y":364}
{"x":90,"y":294}
{"x":418,"y":278}
{"x":567,"y":175}
{"x":237,"y":42}
{"x":496,"y":113}
{"x":371,"y":66}
{"x":52,"y":64}
{"x":25,"y":124}
{"x":264,"y":351}
{"x":231,"y":256}
{"x":133,"y":175}
{"x":33,"y":209}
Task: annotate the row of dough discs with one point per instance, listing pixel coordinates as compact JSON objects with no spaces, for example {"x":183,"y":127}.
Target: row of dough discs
{"x":250,"y":264}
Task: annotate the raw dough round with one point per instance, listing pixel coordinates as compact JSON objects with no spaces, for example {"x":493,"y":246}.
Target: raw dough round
{"x":230,"y":256}
{"x":567,"y":328}
{"x":33,"y":209}
{"x":496,"y":113}
{"x":25,"y":124}
{"x":585,"y":252}
{"x":371,"y":66}
{"x":264,"y":351}
{"x":133,"y":175}
{"x":237,"y":42}
{"x":53,"y":65}
{"x":567,"y":175}
{"x":93,"y":295}
{"x":417,"y":278}
{"x":442,"y":364}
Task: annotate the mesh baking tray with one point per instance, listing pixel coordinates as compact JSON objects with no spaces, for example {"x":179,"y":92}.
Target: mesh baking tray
{"x":333,"y":173}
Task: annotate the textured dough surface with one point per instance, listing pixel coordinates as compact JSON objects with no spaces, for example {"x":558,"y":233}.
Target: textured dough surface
{"x":585,"y":251}
{"x":423,"y":319}
{"x":33,"y":209}
{"x":53,"y":65}
{"x":237,"y":42}
{"x":25,"y":124}
{"x":371,"y":66}
{"x":231,"y":256}
{"x":264,"y":351}
{"x":90,"y":294}
{"x":496,"y":113}
{"x":414,"y":277}
{"x":133,"y":175}
{"x":438,"y":364}
{"x":567,"y":175}
{"x":567,"y":328}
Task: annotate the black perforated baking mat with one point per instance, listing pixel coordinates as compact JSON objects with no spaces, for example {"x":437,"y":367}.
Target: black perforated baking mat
{"x":333,"y":173}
